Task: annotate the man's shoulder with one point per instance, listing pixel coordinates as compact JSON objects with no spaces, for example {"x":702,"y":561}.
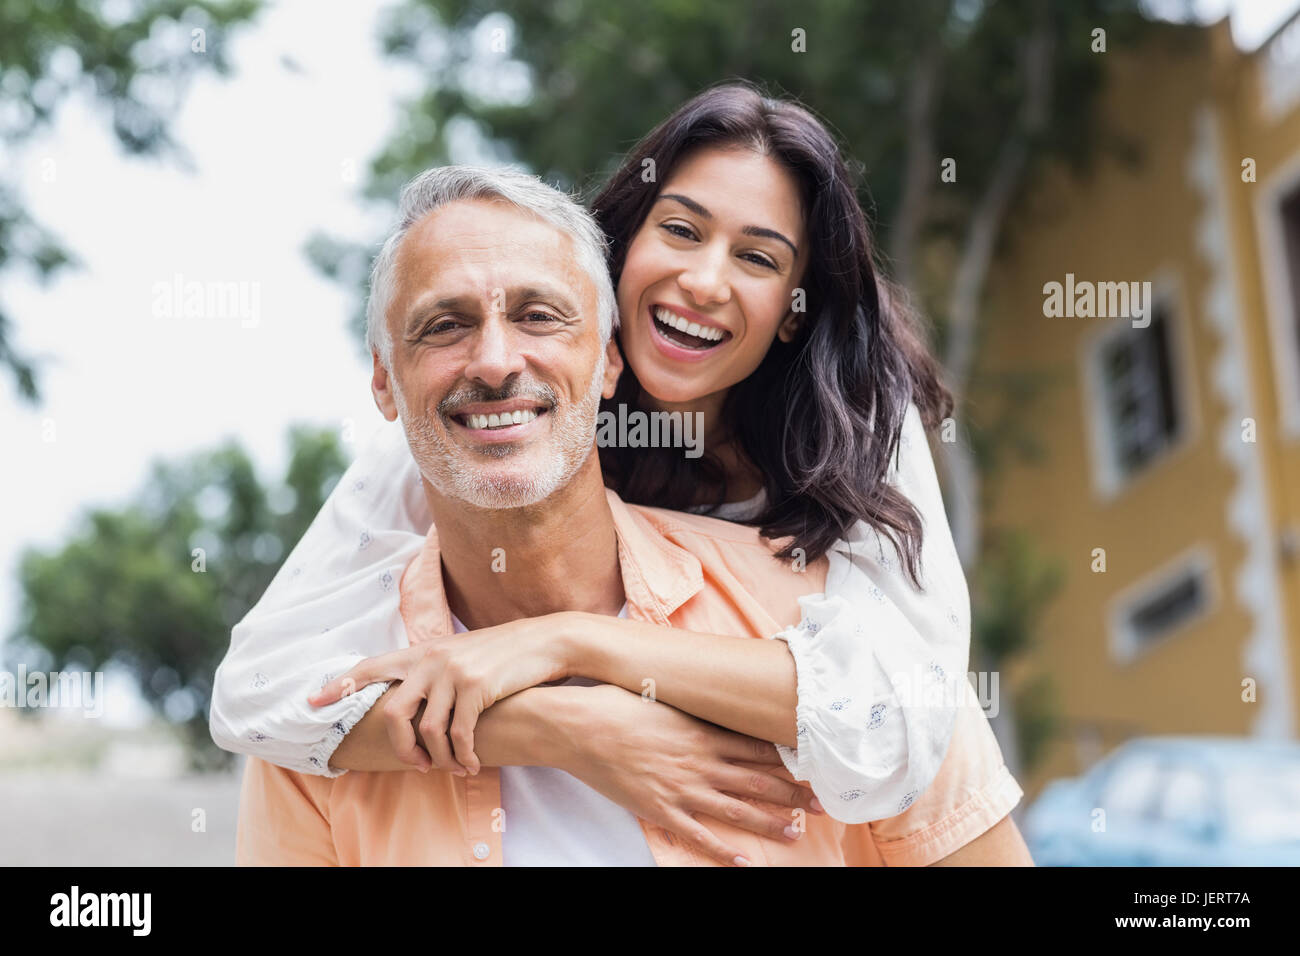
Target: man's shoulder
{"x":671,"y":523}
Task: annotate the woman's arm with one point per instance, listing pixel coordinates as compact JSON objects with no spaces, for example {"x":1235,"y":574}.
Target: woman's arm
{"x":881,"y":664}
{"x":332,"y":604}
{"x":745,"y":685}
{"x":658,"y":763}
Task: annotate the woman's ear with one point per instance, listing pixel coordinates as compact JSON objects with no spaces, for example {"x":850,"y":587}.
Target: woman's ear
{"x":789,"y":326}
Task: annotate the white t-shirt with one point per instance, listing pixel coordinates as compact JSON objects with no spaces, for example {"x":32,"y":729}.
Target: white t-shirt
{"x":554,"y":819}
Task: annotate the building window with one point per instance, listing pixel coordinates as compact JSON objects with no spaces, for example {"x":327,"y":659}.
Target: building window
{"x":1157,"y":609}
{"x":1138,"y":400}
{"x":1289,"y":211}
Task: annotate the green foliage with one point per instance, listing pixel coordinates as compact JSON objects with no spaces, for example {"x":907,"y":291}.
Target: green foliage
{"x":1012,"y":586}
{"x":133,"y":61}
{"x":127,"y":588}
{"x":1014,"y":583}
{"x":1038,"y":719}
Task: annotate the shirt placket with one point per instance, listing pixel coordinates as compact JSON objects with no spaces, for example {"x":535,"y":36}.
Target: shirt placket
{"x":484,"y":817}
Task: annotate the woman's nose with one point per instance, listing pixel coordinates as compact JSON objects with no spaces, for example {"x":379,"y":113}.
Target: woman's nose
{"x":706,"y":280}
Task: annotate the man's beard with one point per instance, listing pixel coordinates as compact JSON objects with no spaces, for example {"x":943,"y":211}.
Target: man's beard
{"x":573,"y":437}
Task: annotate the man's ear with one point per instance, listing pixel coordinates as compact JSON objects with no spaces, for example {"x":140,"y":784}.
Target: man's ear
{"x":381,"y":388}
{"x":613,"y":366}
{"x":789,"y":326}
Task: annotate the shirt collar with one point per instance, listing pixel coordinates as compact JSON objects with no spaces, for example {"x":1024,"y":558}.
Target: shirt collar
{"x":658,"y":576}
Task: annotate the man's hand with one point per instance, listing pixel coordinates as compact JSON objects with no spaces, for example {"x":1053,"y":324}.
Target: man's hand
{"x":460,"y":676}
{"x":667,"y":767}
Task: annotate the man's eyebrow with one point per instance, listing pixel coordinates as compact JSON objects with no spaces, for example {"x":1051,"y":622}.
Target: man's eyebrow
{"x":557,"y":297}
{"x":703,"y":213}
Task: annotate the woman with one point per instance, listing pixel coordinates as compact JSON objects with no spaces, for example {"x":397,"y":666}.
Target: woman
{"x":746,"y":291}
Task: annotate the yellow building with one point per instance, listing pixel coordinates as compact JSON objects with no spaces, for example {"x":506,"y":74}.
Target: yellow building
{"x":1172,"y":437}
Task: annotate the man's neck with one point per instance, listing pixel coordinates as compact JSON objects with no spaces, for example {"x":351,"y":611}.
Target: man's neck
{"x":561,"y":554}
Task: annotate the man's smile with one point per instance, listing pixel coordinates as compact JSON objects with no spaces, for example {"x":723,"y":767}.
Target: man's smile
{"x":503,"y":421}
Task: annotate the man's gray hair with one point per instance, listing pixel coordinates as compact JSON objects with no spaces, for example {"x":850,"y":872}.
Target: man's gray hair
{"x":441,"y":185}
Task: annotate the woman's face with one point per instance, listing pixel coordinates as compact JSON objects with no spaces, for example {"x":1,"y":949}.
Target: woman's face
{"x":720,"y":253}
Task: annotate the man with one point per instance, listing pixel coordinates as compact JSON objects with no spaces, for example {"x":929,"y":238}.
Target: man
{"x":494,"y":302}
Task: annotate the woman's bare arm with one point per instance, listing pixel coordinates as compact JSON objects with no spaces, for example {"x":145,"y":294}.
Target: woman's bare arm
{"x":740,"y":683}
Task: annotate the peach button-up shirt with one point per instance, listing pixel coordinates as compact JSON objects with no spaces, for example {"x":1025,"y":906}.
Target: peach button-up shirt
{"x":685,"y":571}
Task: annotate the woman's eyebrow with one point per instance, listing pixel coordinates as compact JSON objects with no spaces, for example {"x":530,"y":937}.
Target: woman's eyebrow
{"x":703,"y":213}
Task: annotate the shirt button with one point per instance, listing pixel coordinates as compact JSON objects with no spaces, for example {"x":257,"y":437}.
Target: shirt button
{"x":481,"y":851}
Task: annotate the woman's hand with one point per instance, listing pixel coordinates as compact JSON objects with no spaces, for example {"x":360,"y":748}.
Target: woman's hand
{"x":667,"y":767}
{"x":460,"y":675}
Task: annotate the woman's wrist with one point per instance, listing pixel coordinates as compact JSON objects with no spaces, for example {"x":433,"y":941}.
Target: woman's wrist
{"x":577,"y":634}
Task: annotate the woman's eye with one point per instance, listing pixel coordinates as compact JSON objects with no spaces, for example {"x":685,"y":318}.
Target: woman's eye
{"x":677,"y":229}
{"x":763,"y":261}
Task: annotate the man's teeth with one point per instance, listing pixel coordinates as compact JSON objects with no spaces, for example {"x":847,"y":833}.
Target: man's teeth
{"x":503,"y":420}
{"x":706,"y":332}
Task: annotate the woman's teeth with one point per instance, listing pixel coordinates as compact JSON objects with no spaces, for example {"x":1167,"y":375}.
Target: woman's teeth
{"x":705,"y":332}
{"x":501,"y":421}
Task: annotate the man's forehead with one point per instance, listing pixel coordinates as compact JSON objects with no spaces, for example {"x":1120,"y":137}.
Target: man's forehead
{"x":479,"y":247}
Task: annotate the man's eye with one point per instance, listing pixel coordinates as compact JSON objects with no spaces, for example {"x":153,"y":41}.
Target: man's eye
{"x":539,"y":317}
{"x":444,"y":325}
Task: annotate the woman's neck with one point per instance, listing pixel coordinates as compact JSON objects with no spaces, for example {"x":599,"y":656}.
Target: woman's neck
{"x":743,"y":480}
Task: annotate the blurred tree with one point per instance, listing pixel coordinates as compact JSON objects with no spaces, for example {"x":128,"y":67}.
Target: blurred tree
{"x":157,"y":586}
{"x":134,"y":59}
{"x":1001,"y":88}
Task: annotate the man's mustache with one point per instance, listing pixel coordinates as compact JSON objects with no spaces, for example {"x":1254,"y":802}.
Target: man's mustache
{"x":539,"y":392}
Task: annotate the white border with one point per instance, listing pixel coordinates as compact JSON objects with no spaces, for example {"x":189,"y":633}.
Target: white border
{"x":1249,"y":510}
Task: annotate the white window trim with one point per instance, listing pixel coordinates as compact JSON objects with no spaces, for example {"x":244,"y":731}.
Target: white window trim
{"x":1107,"y":481}
{"x":1123,"y":643}
{"x":1278,"y":296}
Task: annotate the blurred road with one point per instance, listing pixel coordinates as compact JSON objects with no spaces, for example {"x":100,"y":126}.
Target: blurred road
{"x":78,"y":818}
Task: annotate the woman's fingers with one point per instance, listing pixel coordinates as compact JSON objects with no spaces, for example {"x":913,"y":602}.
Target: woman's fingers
{"x":392,"y":666}
{"x":727,"y":808}
{"x":433,"y":727}
{"x":399,"y":710}
{"x":464,"y":720}
{"x":734,"y":746}
{"x":703,"y":839}
{"x":758,"y":785}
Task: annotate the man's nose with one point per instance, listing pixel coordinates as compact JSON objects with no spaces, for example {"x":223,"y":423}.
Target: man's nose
{"x":495,"y":355}
{"x":707,"y":280}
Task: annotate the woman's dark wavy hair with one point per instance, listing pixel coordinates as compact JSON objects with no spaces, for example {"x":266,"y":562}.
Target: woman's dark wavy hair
{"x":804,"y":417}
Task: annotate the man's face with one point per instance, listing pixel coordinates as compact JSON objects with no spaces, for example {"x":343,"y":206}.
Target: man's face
{"x":498,"y":367}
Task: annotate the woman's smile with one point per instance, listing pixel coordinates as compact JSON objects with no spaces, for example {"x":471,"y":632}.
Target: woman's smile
{"x":679,"y":334}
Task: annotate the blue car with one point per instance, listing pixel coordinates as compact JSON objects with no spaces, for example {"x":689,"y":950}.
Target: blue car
{"x":1174,"y":801}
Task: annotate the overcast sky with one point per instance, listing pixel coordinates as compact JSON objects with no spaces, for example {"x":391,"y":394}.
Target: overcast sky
{"x":280,"y":152}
